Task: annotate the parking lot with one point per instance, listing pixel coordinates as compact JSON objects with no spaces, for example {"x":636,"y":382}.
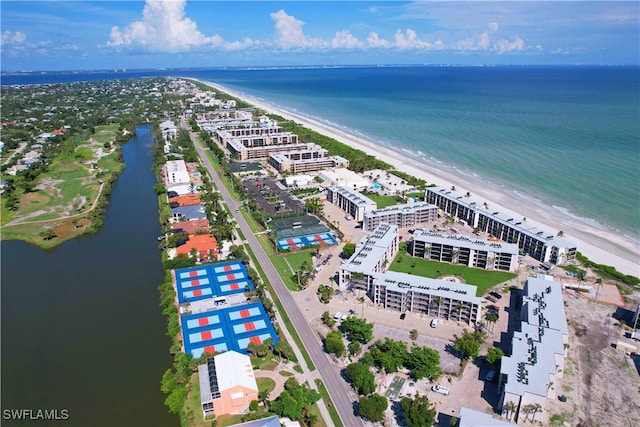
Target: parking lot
{"x":271,"y":198}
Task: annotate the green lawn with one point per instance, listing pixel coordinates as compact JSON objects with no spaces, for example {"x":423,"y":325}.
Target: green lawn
{"x":296,"y":259}
{"x":382,"y":201}
{"x":265,"y":384}
{"x":483,"y":279}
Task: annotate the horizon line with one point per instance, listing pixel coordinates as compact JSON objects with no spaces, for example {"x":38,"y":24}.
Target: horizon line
{"x":124,"y":70}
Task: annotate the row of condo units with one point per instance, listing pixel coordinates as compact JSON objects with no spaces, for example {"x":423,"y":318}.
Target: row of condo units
{"x":310,"y":160}
{"x":541,"y":245}
{"x":530,"y":374}
{"x":366,"y":270}
{"x":465,"y":250}
{"x":406,"y":215}
{"x":169,"y":132}
{"x":351,"y":201}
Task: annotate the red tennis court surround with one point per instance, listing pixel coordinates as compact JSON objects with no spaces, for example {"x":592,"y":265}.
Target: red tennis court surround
{"x":255,"y":340}
{"x":206,"y":335}
{"x":203,"y":321}
{"x":249,"y":326}
{"x":234,"y":286}
{"x":244,"y":313}
{"x":193,"y":274}
{"x":210,"y":349}
{"x":231,"y":276}
{"x":195,"y":282}
{"x":197,"y":293}
{"x":227,"y":268}
{"x":317,"y":237}
{"x":290,"y":241}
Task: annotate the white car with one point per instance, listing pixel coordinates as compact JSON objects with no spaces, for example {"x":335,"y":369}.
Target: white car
{"x":434,"y":323}
{"x":440,"y":389}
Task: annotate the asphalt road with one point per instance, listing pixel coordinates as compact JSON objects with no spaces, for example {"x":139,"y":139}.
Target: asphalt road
{"x":338,"y":388}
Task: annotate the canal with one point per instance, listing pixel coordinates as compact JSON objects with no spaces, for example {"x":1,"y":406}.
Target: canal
{"x":82,"y":330}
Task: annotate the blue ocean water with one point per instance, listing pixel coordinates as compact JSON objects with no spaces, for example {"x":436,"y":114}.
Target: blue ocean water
{"x":567,"y":137}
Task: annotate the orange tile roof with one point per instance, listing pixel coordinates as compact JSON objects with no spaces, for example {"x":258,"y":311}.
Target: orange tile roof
{"x":202,"y":243}
{"x":193,"y":226}
{"x":186,"y":200}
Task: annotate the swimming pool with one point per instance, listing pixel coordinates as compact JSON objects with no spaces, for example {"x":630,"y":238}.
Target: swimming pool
{"x":376,"y":186}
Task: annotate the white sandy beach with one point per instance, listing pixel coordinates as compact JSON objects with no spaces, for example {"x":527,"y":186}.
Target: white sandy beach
{"x":599,"y":245}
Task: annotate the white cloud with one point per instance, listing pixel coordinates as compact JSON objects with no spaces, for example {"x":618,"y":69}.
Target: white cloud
{"x":375,"y":41}
{"x":345,"y":40}
{"x":12,"y":38}
{"x":505,"y":45}
{"x":289,"y":34}
{"x":163,"y":28}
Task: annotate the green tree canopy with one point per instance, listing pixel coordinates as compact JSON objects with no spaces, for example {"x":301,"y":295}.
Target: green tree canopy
{"x":373,"y":407}
{"x":349,"y":249}
{"x":357,"y":329}
{"x":361,"y":378}
{"x":334,"y":344}
{"x":424,"y":362}
{"x":494,"y":354}
{"x":389,"y":354}
{"x":418,"y":412}
{"x":469,"y":343}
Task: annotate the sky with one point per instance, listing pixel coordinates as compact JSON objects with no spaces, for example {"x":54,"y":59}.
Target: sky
{"x":104,"y":35}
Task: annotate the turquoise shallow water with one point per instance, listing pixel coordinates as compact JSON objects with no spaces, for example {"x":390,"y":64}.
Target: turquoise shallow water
{"x":567,"y":137}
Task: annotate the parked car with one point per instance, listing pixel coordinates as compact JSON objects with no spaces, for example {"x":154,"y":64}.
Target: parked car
{"x":495,"y":294}
{"x":434,"y":323}
{"x":403,"y":315}
{"x":440,"y":389}
{"x":490,"y":375}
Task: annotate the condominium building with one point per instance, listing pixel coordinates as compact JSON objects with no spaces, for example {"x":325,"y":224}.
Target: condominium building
{"x":350,"y":201}
{"x":541,"y":245}
{"x":236,"y":148}
{"x":176,"y":173}
{"x":306,"y":160}
{"x":401,"y":215}
{"x":257,"y":140}
{"x":372,"y":255}
{"x":466,"y":250}
{"x":365,"y":270}
{"x":530,"y":374}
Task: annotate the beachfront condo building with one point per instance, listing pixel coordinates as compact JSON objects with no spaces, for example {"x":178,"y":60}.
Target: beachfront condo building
{"x":227,"y":384}
{"x":212,"y":125}
{"x":366,"y":271}
{"x":541,"y":245}
{"x":530,"y":374}
{"x":258,"y":140}
{"x":351,"y":201}
{"x":306,"y":160}
{"x":465,"y":250}
{"x":241,"y":152}
{"x":401,"y":215}
{"x":343,"y":177}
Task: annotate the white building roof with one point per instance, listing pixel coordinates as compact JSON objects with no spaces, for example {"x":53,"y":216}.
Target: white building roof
{"x":472,"y":418}
{"x":403,"y":282}
{"x":346,"y":177}
{"x":353,"y":196}
{"x":461,"y":240}
{"x":371,"y":249}
{"x":234,"y":369}
{"x":404,"y":209}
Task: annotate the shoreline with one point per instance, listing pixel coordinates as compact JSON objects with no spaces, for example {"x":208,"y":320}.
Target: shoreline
{"x":601,"y":246}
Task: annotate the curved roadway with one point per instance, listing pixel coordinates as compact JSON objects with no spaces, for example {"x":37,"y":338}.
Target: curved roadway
{"x":337,"y":387}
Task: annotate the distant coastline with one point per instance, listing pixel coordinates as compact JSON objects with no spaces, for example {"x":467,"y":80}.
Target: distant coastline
{"x":599,"y":245}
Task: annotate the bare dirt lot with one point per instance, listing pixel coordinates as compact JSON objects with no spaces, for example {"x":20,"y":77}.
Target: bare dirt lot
{"x":600,"y":382}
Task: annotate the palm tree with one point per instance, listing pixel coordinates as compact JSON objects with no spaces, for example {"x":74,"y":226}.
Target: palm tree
{"x":491,"y":318}
{"x":361,"y":300}
{"x":510,"y":407}
{"x":560,"y":233}
{"x":437,"y":301}
{"x":467,"y":195}
{"x":526,"y":409}
{"x":453,"y":188}
{"x":311,"y":419}
{"x":263,"y":395}
{"x":535,"y":408}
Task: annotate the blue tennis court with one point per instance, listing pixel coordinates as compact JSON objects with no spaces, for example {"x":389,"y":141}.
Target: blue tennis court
{"x":210,"y":281}
{"x":306,"y":241}
{"x":227,"y":329}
